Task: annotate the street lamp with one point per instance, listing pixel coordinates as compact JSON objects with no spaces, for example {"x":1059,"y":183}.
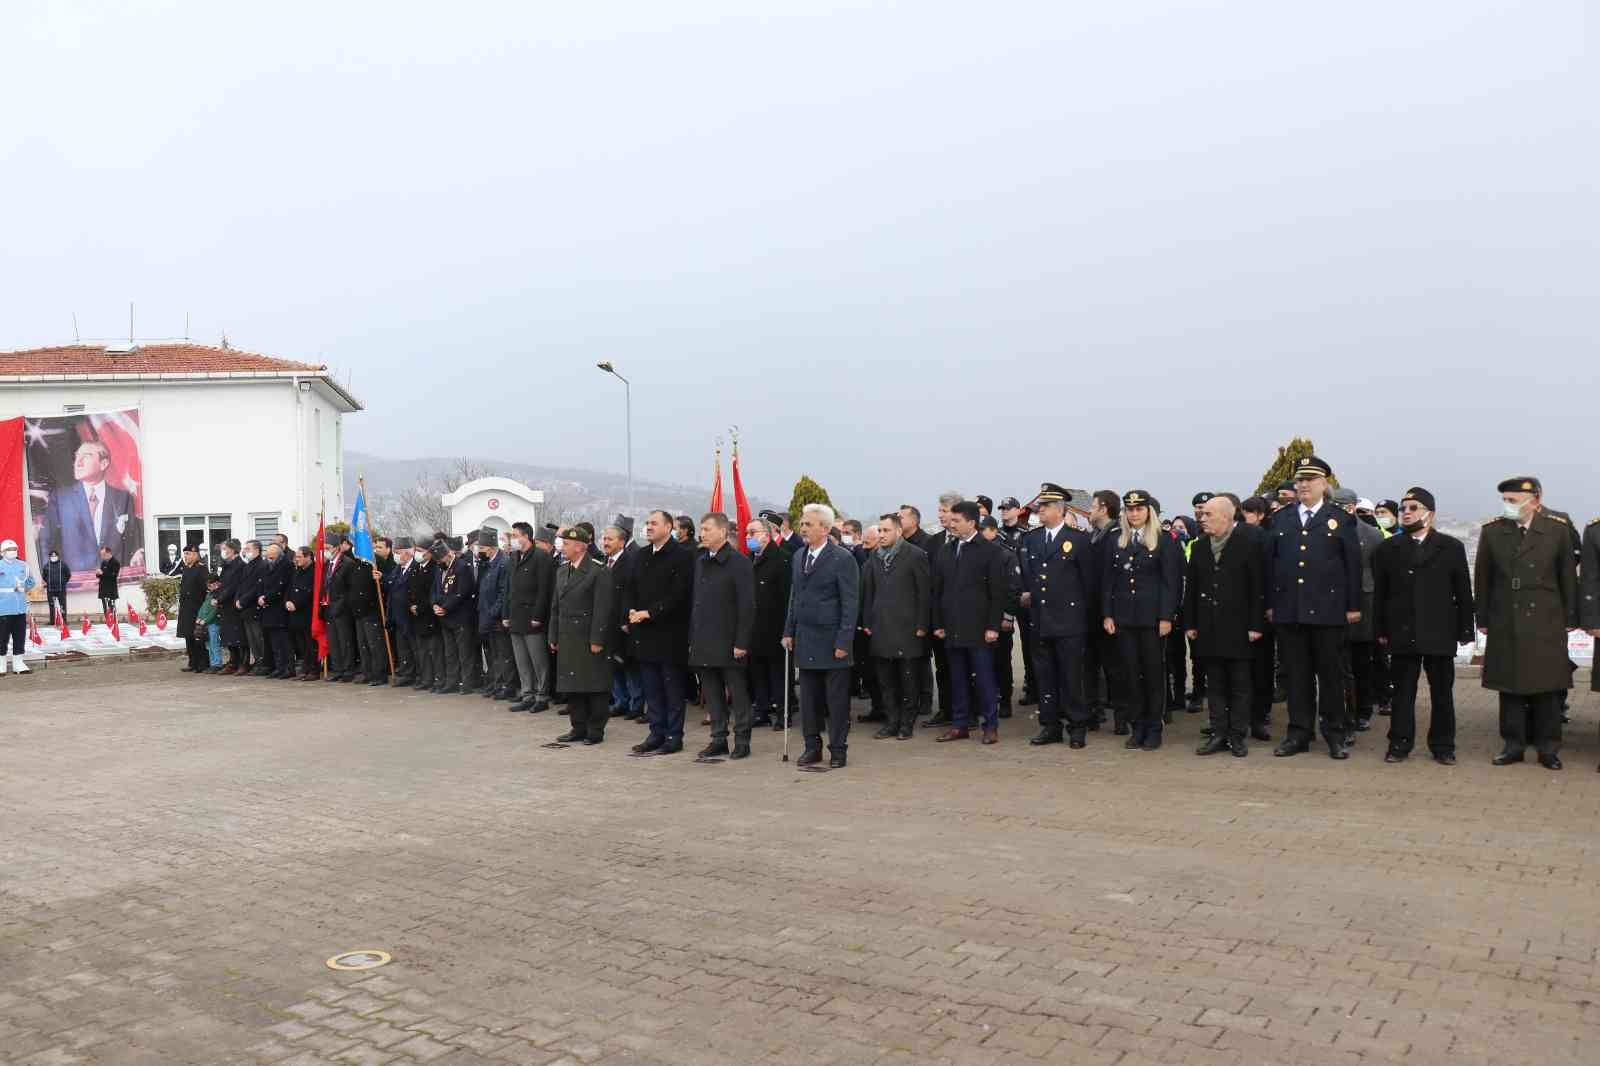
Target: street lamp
{"x":627,"y":393}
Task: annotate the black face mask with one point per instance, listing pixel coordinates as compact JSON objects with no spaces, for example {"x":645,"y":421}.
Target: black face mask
{"x":1371,"y":520}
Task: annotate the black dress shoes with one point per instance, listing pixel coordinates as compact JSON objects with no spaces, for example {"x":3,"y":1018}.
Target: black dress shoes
{"x":1076,"y":740}
{"x":1550,"y":762}
{"x":1337,"y":749}
{"x":836,"y":761}
{"x":713,"y":749}
{"x":809,"y":757}
{"x":1507,"y":757}
{"x":1290,"y":747}
{"x":649,"y":744}
{"x":592,"y":741}
{"x":1394,"y":755}
{"x":1445,"y":758}
{"x":888,"y":732}
{"x":1045,"y":736}
{"x":672,"y":747}
{"x":741,"y":749}
{"x":570,"y":738}
{"x":1120,"y":730}
{"x":1260,"y":732}
{"x":1238,"y":749}
{"x":1212,"y":746}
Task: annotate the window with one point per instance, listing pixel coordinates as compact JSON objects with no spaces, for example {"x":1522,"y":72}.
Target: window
{"x":175,"y":532}
{"x":264,"y":526}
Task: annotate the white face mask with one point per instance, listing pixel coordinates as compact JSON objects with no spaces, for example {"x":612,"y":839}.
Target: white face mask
{"x":560,"y":544}
{"x":847,"y":540}
{"x":1386,"y":521}
{"x":1512,"y":511}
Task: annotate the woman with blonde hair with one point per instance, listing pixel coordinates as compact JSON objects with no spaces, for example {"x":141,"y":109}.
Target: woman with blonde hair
{"x":1143,"y":585}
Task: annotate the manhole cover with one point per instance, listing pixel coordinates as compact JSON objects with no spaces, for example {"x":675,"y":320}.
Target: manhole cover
{"x":359,"y":960}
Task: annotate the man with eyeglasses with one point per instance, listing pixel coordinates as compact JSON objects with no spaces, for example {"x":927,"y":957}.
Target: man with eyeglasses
{"x":1423,"y":610}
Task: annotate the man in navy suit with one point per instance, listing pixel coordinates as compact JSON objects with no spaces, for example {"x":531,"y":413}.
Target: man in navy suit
{"x":82,"y":518}
{"x":821,"y":631}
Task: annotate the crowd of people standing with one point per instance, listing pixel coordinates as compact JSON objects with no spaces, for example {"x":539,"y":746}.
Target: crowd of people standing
{"x":1312,"y":595}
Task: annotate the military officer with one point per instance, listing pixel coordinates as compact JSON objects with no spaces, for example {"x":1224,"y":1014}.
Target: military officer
{"x":581,"y":620}
{"x":1526,"y":586}
{"x":1313,"y":594}
{"x":1059,"y":588}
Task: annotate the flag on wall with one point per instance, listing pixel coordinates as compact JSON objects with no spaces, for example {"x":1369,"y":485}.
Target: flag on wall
{"x":13,"y":501}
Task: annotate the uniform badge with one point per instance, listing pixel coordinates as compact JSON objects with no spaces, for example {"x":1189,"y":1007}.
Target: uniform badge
{"x":1066,"y":547}
{"x":1333,"y":523}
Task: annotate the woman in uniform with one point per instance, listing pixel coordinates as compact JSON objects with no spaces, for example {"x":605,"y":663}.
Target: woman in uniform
{"x":1143,"y":582}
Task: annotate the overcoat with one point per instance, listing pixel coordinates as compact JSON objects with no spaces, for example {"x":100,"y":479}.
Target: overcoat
{"x":823,"y":608}
{"x":724,"y":607}
{"x":531,"y":580}
{"x":230,"y":628}
{"x":660,"y":581}
{"x":1590,"y":607}
{"x":581,"y":615}
{"x":109,"y":568}
{"x":419,"y":595}
{"x":896,"y":602}
{"x":299,"y":593}
{"x":972,"y":590}
{"x":1526,"y":590}
{"x":772,"y":571}
{"x":191,"y":594}
{"x":1225,"y":602}
{"x":1422,"y":594}
{"x":272,"y":583}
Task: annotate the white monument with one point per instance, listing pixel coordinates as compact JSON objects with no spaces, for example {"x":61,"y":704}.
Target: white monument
{"x":495,"y":502}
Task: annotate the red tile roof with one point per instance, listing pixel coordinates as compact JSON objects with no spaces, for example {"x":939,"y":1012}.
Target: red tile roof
{"x":175,"y":357}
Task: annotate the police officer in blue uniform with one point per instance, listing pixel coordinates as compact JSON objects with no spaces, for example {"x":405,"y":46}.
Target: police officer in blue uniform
{"x":1059,"y":588}
{"x":1313,"y":594}
{"x":1143,"y":592}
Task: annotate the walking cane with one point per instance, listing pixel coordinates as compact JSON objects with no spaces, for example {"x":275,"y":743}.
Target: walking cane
{"x":785,"y":704}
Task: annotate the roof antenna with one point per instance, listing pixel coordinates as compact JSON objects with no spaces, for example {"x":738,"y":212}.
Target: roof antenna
{"x":75,"y":338}
{"x":224,"y":340}
{"x":186,"y":325}
{"x":130,"y":321}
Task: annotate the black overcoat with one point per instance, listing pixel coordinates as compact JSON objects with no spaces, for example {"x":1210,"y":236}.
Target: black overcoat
{"x":773,"y":574}
{"x":661,"y":582}
{"x":1422,"y":595}
{"x":1225,"y":602}
{"x":531,"y":580}
{"x":272,"y":584}
{"x":824,"y":606}
{"x":972,"y":590}
{"x":191,"y":594}
{"x":724,"y":607}
{"x":897,"y":603}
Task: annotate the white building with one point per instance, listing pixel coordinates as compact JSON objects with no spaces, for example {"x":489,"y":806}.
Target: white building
{"x":233,"y":444}
{"x":496,"y":502}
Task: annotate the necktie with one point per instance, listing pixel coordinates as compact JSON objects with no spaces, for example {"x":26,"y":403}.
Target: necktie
{"x":94,"y":506}
{"x":959,"y":544}
{"x":810,"y":559}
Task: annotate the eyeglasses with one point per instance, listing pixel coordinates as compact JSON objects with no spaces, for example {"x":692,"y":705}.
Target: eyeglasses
{"x":1412,"y":508}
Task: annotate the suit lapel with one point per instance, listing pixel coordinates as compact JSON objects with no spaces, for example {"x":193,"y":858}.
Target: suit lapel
{"x":1526,"y":541}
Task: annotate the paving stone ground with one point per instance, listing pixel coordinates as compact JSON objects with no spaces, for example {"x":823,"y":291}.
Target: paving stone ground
{"x":179,"y":856}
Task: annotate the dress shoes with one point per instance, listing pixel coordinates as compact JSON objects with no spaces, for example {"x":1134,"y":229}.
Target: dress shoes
{"x":1396,"y":755}
{"x":952,"y":734}
{"x":938,"y":718}
{"x":836,"y":760}
{"x":1445,"y":758}
{"x":906,"y":732}
{"x":1238,"y":749}
{"x":1121,"y":729}
{"x":1363,"y":724}
{"x":991,"y":736}
{"x":886,"y":733}
{"x":1291,"y":747}
{"x":1132,"y":742}
{"x":809,"y":757}
{"x":1337,"y":749}
{"x":573,"y":737}
{"x":1507,"y":757}
{"x":1076,"y":740}
{"x":598,"y":738}
{"x":649,"y":744}
{"x":233,"y":670}
{"x":1551,"y":761}
{"x":1151,"y":742}
{"x":1260,"y":732}
{"x":542,"y":705}
{"x":713,"y":749}
{"x":520,"y":705}
{"x":672,"y":747}
{"x":872,"y":716}
{"x":1005,"y":709}
{"x":1212,"y":746}
{"x":1045,"y":736}
{"x":741,"y":748}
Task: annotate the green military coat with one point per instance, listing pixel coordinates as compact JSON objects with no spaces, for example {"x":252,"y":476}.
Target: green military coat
{"x":581,"y":616}
{"x":1526,"y":588}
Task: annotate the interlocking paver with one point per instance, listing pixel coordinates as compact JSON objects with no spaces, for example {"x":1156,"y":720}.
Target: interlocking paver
{"x":183,"y":853}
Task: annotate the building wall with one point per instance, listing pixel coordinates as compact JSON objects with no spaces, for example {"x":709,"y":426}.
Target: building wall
{"x":246,"y":450}
{"x":474,"y":511}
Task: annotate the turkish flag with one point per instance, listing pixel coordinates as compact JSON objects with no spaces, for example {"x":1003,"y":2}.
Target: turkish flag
{"x":85,"y":625}
{"x":716,"y":488}
{"x":133,"y":615}
{"x":13,"y":499}
{"x":741,"y":505}
{"x":33,"y":631}
{"x":161,"y":620}
{"x":66,"y":634}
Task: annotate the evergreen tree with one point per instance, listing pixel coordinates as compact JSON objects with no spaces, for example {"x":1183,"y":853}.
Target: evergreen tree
{"x":806,"y":491}
{"x":1283,"y":467}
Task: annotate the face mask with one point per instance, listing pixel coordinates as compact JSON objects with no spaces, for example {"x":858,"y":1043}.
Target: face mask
{"x":1512,"y":511}
{"x":1385,"y":521}
{"x":249,"y":557}
{"x":752,"y":543}
{"x":847,"y":540}
{"x":11,"y":553}
{"x":560,"y":544}
{"x":55,"y":558}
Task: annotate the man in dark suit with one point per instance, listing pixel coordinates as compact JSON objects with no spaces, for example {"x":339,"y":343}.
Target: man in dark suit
{"x":501,"y":682}
{"x":1313,"y":594}
{"x":1060,"y":579}
{"x":655,"y":610}
{"x":191,"y":594}
{"x":1225,"y":610}
{"x":224,"y":598}
{"x":971,"y":594}
{"x":456,"y":608}
{"x":618,"y":553}
{"x":257,"y":657}
{"x":274,"y":575}
{"x":424,"y":623}
{"x":1422,"y":611}
{"x":720,"y":623}
{"x":772,"y":571}
{"x":896,"y":606}
{"x":81,"y":518}
{"x":398,"y":618}
{"x":109,"y":568}
{"x":339,"y":571}
{"x":529,"y":585}
{"x":298,"y":603}
{"x":820,"y":629}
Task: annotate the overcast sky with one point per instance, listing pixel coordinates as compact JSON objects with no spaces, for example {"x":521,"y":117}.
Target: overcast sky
{"x":905,"y":246}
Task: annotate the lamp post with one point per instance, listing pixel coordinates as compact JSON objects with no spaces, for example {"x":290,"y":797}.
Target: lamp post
{"x":627,"y":394}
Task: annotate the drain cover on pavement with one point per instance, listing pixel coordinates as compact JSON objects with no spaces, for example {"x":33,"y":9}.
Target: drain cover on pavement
{"x":359,"y":960}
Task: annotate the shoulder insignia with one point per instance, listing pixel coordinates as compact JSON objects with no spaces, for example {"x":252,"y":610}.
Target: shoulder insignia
{"x":1492,"y":521}
{"x":1559,"y":518}
{"x":1594,"y":521}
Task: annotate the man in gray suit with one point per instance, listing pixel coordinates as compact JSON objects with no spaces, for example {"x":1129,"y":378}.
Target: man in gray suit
{"x":895,"y":601}
{"x":820,"y":630}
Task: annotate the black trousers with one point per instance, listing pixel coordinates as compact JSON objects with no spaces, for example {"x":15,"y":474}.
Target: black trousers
{"x":1025,"y":634}
{"x":1141,"y":648}
{"x":277,"y":638}
{"x":460,"y":647}
{"x":303,"y":651}
{"x":766,"y":685}
{"x":1531,"y":718}
{"x":898,"y":682}
{"x":374,"y":654}
{"x":1177,"y":655}
{"x":1263,"y":678}
{"x":727,"y":690}
{"x":1004,"y":672}
{"x":502,"y":667}
{"x":941,"y":677}
{"x":1198,"y":671}
{"x":588,"y":713}
{"x":341,"y":643}
{"x":108,"y":606}
{"x":1104,"y":683}
{"x":471,"y":658}
{"x":1441,"y":671}
{"x":1058,"y":671}
{"x":59,"y":600}
{"x":825,"y":694}
{"x":1228,"y":684}
{"x":405,"y":653}
{"x":1382,"y":676}
{"x":255,"y":637}
{"x":1313,"y":666}
{"x":430,"y":659}
{"x":199,"y":656}
{"x":1363,"y":668}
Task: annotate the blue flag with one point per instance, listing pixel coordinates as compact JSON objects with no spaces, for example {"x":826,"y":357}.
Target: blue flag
{"x":361,"y":528}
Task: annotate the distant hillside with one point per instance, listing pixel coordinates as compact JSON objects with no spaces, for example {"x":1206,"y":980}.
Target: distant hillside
{"x":399,"y":491}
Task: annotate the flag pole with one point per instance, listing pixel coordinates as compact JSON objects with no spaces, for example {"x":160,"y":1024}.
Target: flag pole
{"x":316,"y":607}
{"x":377,"y":577}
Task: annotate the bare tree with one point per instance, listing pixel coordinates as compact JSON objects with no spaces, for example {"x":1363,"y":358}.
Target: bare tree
{"x":419,"y":511}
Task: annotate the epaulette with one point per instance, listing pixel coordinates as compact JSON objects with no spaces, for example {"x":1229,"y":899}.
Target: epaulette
{"x":1593,"y":521}
{"x":1492,"y":521}
{"x":1558,"y":518}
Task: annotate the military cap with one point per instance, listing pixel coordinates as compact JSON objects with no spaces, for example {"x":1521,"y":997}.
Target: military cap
{"x":1202,"y":497}
{"x":774,"y":517}
{"x":1010,"y":501}
{"x":439,"y":547}
{"x":402,"y":542}
{"x":587,"y":527}
{"x":332,"y":539}
{"x":1345,"y":497}
{"x":983,"y":501}
{"x":1521,"y":484}
{"x":1286,"y":486}
{"x":624,"y":523}
{"x":1050,"y":492}
{"x":544,"y":535}
{"x":577,"y":533}
{"x":1311,"y":466}
{"x":488,"y":537}
{"x":1418,"y":495}
{"x":455,"y":543}
{"x":1392,"y":506}
{"x":1137,"y":498}
{"x":988,"y":521}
